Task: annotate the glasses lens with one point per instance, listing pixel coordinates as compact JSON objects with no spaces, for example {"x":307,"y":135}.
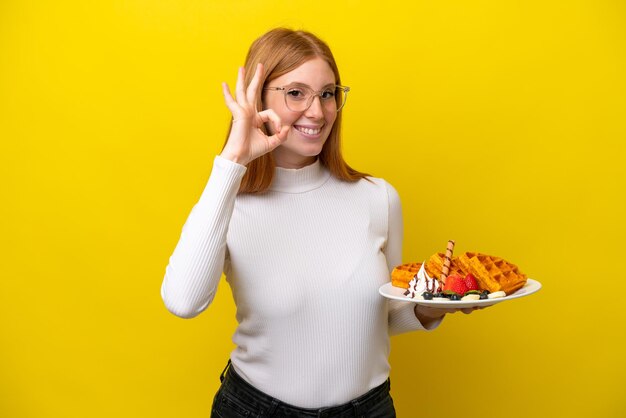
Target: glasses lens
{"x":299,"y":99}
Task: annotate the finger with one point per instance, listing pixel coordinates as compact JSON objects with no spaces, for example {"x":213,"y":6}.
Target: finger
{"x":254,"y":84}
{"x":269,"y":115}
{"x":240,"y":87}
{"x":228,"y":98}
{"x":467,"y":310}
{"x":232,"y":105}
{"x":278,"y":138}
{"x":281,"y":136}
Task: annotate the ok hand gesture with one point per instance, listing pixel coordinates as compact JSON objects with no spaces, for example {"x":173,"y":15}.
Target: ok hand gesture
{"x":246,"y":140}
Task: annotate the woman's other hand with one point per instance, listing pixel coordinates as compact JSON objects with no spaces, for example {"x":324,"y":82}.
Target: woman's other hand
{"x":246,"y":140}
{"x":427,"y":314}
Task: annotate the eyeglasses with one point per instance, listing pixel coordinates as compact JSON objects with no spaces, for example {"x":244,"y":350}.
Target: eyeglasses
{"x":299,"y":97}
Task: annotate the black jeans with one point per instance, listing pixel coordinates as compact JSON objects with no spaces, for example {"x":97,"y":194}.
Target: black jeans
{"x":236,"y":398}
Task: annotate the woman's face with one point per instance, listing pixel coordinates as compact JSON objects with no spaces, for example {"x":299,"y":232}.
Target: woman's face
{"x":310,"y":128}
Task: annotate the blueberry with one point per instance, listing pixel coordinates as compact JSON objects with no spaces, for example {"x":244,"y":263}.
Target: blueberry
{"x":484,"y":296}
{"x":455,"y":297}
{"x":427,"y":295}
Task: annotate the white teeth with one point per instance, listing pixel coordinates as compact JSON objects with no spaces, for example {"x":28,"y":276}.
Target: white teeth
{"x":309,"y":131}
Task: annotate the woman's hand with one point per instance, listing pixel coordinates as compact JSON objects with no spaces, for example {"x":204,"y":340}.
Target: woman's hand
{"x":246,"y":140}
{"x":428,"y":314}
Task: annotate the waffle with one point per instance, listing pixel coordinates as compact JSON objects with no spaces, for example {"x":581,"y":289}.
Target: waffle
{"x":434,"y":265}
{"x":402,"y":274}
{"x":492,"y":273}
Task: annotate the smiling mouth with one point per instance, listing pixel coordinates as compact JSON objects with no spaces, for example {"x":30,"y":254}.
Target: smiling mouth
{"x":308,"y":131}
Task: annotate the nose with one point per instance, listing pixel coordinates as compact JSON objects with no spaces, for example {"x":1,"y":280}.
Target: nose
{"x":315,"y":110}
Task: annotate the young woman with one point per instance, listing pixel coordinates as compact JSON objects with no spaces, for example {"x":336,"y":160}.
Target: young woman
{"x":304,"y":240}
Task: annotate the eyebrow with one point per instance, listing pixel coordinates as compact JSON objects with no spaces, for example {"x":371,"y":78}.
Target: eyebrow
{"x":297,"y":84}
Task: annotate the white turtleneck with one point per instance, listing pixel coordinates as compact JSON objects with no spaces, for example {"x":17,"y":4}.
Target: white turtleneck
{"x":304,"y":262}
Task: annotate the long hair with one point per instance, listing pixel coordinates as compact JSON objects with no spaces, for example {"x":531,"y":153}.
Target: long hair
{"x":280,"y":51}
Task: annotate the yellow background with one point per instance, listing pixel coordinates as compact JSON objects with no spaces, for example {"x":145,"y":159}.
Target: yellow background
{"x":501,"y":124}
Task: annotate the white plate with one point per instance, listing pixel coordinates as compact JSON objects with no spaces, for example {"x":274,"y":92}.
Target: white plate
{"x":397,"y":293}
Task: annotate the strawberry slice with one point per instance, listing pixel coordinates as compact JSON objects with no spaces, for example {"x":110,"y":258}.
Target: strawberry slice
{"x":455,"y":283}
{"x":470,"y":282}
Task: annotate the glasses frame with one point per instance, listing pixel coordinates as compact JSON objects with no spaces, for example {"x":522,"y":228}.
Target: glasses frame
{"x":285,"y":90}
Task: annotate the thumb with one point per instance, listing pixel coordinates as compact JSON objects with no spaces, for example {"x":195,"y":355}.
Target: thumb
{"x":279,"y":137}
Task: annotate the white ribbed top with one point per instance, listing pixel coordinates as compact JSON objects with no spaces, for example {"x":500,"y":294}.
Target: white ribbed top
{"x":304,"y":262}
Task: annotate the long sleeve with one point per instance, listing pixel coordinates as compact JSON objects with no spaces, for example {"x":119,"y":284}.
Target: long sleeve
{"x":304,"y":262}
{"x":401,"y":314}
{"x":196,"y":265}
